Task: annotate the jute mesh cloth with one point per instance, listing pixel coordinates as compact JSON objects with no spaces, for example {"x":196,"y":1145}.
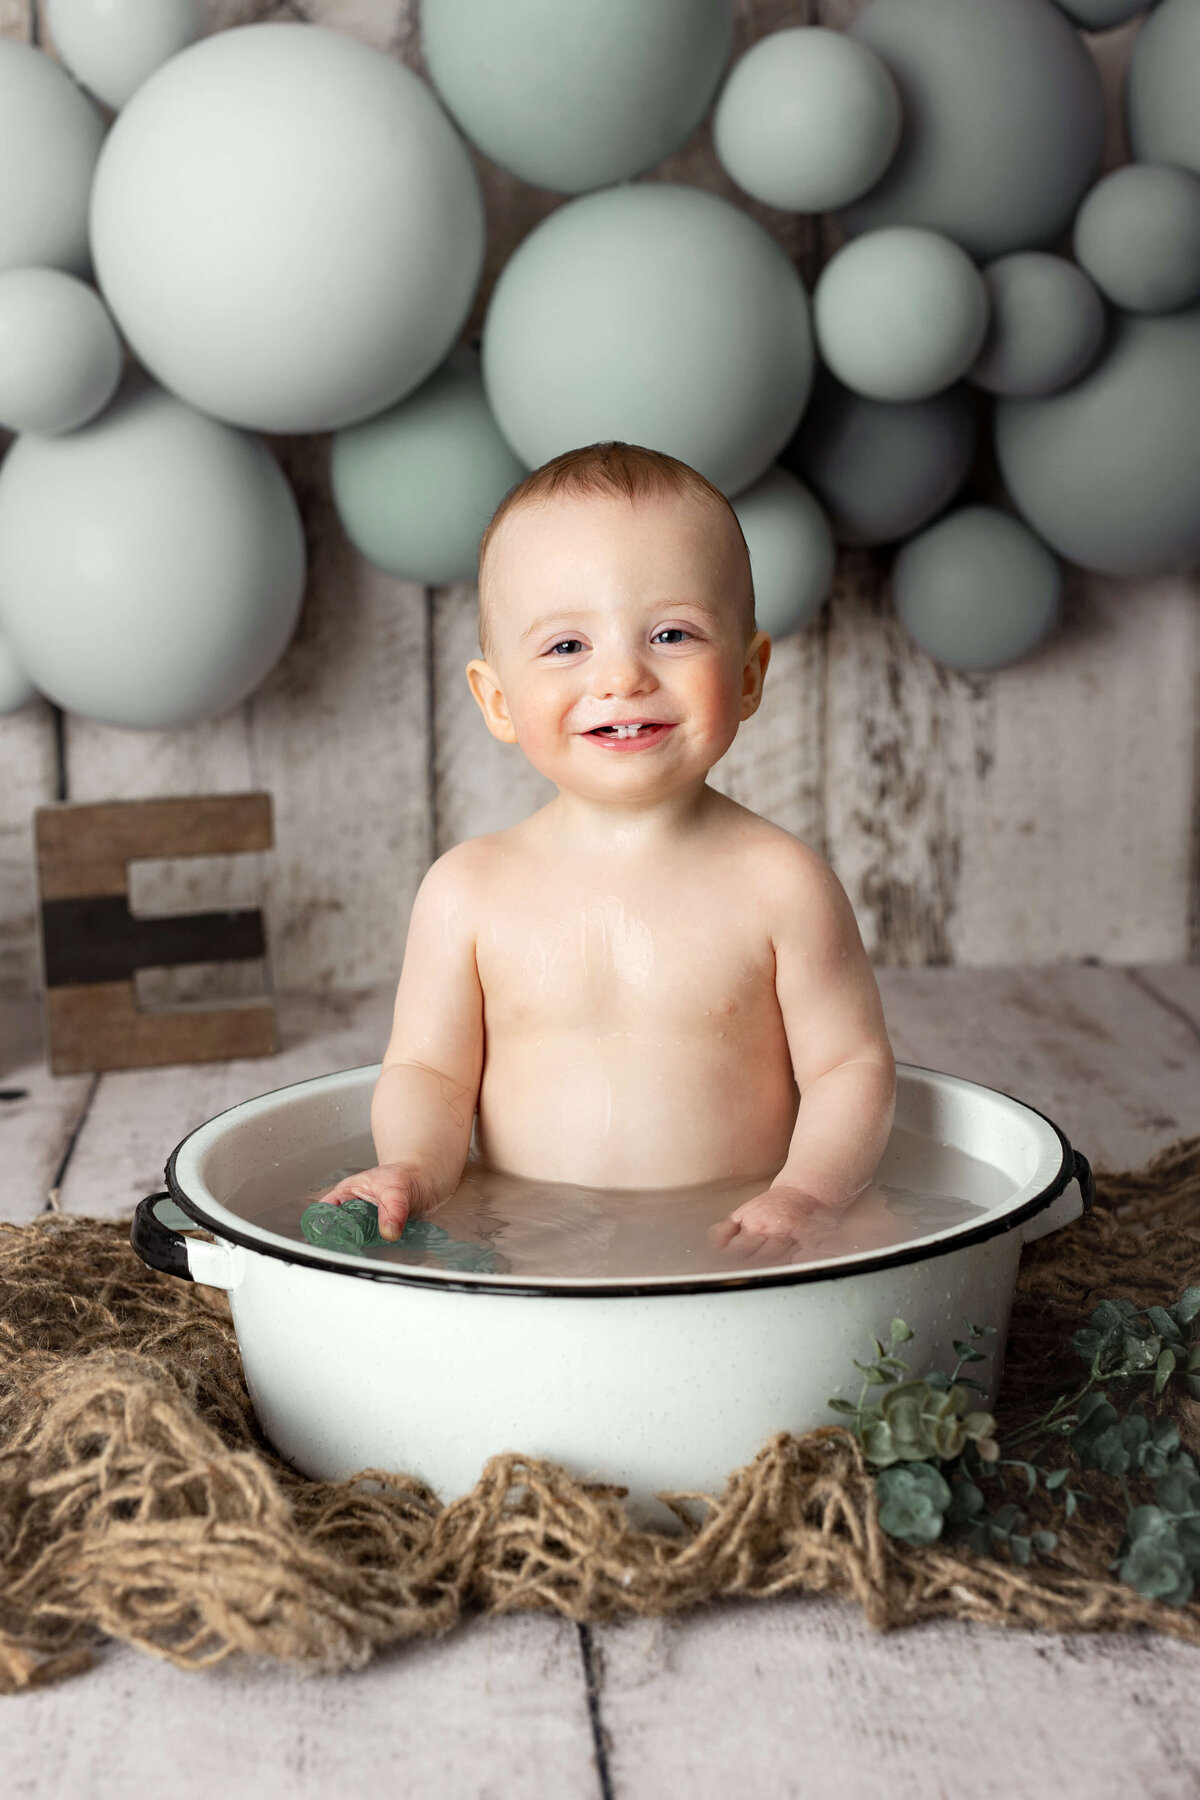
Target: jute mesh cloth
{"x":138,"y":1498}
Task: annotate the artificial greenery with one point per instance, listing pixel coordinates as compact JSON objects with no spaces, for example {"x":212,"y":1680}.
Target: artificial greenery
{"x":943,"y":1471}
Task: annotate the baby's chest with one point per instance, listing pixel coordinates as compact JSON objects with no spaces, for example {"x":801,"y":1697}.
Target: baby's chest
{"x":608,"y":964}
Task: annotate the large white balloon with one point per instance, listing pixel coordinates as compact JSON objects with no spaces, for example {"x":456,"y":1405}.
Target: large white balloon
{"x":151,"y":564}
{"x":60,"y":356}
{"x":111,"y":46}
{"x":287,"y":228}
{"x":50,"y":137}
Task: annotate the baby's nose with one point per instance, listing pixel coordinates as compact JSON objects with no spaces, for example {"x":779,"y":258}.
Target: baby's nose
{"x":621,"y":669}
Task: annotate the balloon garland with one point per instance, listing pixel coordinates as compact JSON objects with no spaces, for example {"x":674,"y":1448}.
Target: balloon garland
{"x":282,"y":230}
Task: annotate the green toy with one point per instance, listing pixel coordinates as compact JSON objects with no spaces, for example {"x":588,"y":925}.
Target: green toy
{"x":354,"y":1225}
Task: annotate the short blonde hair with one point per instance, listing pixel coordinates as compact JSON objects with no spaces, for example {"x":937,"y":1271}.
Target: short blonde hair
{"x":626,"y":471}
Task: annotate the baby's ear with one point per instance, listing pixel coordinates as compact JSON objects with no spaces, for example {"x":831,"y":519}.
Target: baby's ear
{"x":484,"y":684}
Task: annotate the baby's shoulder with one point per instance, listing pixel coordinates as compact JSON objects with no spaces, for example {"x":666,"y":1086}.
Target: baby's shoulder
{"x":476,"y":866}
{"x":800,"y":895}
{"x":778,"y":855}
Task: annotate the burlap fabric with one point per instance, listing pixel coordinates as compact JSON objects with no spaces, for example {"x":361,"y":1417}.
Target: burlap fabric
{"x":138,"y":1499}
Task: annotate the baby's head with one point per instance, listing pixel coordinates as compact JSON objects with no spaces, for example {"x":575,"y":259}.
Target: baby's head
{"x":588,"y":566}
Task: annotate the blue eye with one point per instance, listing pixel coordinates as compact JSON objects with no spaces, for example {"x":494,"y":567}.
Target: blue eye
{"x":678,"y":630}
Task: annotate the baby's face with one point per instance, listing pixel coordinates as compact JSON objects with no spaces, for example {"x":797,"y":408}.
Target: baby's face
{"x":603,"y":611}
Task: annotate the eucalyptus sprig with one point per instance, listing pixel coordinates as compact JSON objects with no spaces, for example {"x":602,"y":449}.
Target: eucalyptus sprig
{"x":941,"y":1470}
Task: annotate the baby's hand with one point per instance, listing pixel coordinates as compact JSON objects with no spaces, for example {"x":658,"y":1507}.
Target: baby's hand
{"x":396,"y":1188}
{"x":782,"y":1220}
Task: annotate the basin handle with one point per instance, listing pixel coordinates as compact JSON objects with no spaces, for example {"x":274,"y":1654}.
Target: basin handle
{"x":161,"y":1246}
{"x":1078,"y":1197}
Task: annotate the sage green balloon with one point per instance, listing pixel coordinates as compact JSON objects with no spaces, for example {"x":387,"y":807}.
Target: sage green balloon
{"x":654,"y":314}
{"x":792,"y":553}
{"x":60,"y":356}
{"x":16,"y":689}
{"x":1162,"y":86}
{"x":1048,"y":325}
{"x":50,"y":139}
{"x":808,"y":119}
{"x":1138,"y":236}
{"x":1108,"y":472}
{"x":112,"y":46}
{"x":900,"y":313}
{"x":882,"y":470}
{"x":1102,"y":15}
{"x":579,"y":95}
{"x":1003,"y":121}
{"x":977,"y":590}
{"x":151,"y":563}
{"x":415,"y":486}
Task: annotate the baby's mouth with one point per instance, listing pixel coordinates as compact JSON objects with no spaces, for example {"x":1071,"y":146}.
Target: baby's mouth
{"x":642,"y":730}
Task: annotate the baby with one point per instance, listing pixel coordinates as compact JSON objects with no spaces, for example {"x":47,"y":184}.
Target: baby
{"x":643,"y":984}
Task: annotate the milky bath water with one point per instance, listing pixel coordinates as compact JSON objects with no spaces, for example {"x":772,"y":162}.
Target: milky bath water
{"x":504,"y":1224}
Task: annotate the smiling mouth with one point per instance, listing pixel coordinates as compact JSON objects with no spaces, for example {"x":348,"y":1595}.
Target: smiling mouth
{"x":626,"y":739}
{"x":627,"y":730}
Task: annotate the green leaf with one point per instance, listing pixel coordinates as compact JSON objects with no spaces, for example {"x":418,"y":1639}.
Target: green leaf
{"x":1187,"y":1306}
{"x":1164,"y":1370}
{"x":1055,"y":1479}
{"x":872,"y":1376}
{"x":1020,"y":1549}
{"x":912,"y":1502}
{"x":1044,"y":1542}
{"x":901,"y":1332}
{"x":1164,"y":1324}
{"x":841,"y":1406}
{"x":1151,"y":1559}
{"x":877,"y":1444}
{"x":965,"y":1352}
{"x":938,"y":1379}
{"x":1178,"y":1492}
{"x":966,"y":1501}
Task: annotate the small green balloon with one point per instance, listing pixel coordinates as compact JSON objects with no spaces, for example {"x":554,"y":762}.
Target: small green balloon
{"x":808,"y":119}
{"x":415,"y":486}
{"x":1102,"y":15}
{"x":900,"y":313}
{"x":977,"y":590}
{"x":1108,"y":471}
{"x":577,"y":96}
{"x":1003,"y":121}
{"x":1160,"y":87}
{"x":1138,"y":236}
{"x":1047,"y":325}
{"x":60,"y":356}
{"x":792,"y":553}
{"x":882,"y":469}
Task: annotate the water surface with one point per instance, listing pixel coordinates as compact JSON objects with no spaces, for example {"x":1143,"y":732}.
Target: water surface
{"x":504,"y":1224}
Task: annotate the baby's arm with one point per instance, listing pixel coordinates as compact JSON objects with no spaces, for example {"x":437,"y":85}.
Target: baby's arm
{"x":424,"y":1101}
{"x":841,"y":1057}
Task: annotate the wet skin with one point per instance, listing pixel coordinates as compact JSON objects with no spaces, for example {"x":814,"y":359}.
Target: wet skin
{"x":634,"y":986}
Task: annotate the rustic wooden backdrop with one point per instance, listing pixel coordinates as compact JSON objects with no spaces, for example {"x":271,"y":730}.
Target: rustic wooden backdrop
{"x":1045,"y":813}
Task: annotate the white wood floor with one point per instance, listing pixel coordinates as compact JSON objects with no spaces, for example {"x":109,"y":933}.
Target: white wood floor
{"x":792,"y":1697}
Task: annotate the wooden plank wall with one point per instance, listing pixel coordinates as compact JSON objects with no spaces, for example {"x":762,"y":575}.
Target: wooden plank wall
{"x":1044,"y":813}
